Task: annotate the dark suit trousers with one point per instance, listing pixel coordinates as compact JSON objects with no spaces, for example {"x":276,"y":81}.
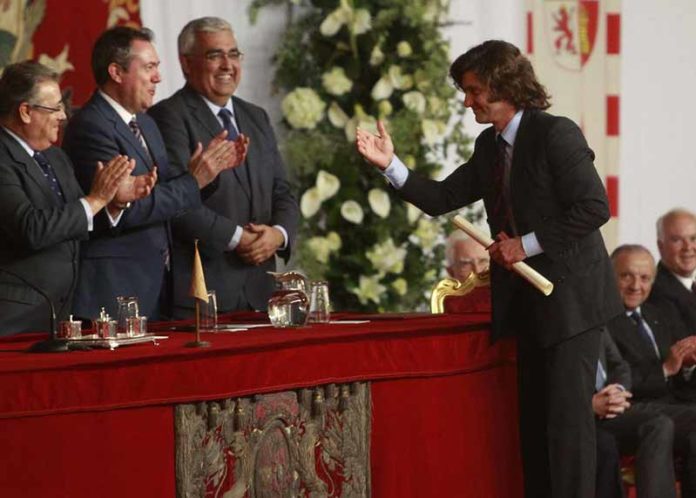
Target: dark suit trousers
{"x":648,"y":435}
{"x":557,"y":427}
{"x":683,"y":416}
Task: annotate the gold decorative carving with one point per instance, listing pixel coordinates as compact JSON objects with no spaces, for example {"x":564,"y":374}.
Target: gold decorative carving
{"x":452,"y":287}
{"x":312,"y":442}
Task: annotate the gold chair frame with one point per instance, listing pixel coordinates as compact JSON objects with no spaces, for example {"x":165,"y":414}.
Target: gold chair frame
{"x":449,"y":286}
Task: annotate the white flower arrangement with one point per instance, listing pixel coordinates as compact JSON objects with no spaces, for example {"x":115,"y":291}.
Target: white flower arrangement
{"x":327,"y":185}
{"x":386,"y":257}
{"x":351,"y":211}
{"x":336,"y":82}
{"x":414,"y":101}
{"x":379,"y":202}
{"x":369,"y":289}
{"x":303,"y":108}
{"x":403,"y":49}
{"x":310,"y":202}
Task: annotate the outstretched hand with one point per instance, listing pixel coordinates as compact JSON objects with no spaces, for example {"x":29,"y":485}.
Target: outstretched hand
{"x":377,"y":149}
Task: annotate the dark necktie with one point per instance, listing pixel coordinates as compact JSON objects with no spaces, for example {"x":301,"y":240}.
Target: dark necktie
{"x":50,"y":174}
{"x":693,"y":286}
{"x":135,"y":128}
{"x":226,"y":116}
{"x":643,"y":331}
{"x":501,"y":205}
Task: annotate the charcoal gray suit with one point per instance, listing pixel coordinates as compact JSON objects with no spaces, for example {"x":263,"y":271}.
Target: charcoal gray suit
{"x":39,"y":236}
{"x":668,"y":288}
{"x":256,"y":192}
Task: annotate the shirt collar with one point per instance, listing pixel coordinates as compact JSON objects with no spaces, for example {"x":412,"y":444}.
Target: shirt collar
{"x":510,"y":132}
{"x":122,"y":112}
{"x":630,"y":312}
{"x":215,"y":109}
{"x":686,"y":281}
{"x":20,"y":141}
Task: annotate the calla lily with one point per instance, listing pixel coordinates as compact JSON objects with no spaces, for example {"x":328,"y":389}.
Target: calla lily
{"x":327,"y":185}
{"x":382,"y":89}
{"x":385,"y":108}
{"x":362,"y":22}
{"x":351,"y":211}
{"x":337,"y":117}
{"x":379,"y":202}
{"x":310,"y":202}
{"x":334,"y":240}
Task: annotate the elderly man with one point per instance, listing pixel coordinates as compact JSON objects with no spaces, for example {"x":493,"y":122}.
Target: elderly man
{"x":648,"y":338}
{"x":43,"y":211}
{"x":465,"y":256}
{"x":135,"y":261}
{"x":676,"y":240}
{"x":545,"y":203}
{"x":252,"y":216}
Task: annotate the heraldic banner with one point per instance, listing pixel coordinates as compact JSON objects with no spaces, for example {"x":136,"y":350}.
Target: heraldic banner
{"x":60,"y":34}
{"x":575,"y":49}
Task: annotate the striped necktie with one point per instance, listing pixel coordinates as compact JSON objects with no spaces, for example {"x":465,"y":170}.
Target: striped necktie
{"x":50,"y":174}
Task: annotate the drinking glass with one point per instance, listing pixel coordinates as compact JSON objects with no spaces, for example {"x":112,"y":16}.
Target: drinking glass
{"x":319,"y":304}
{"x":208,"y":312}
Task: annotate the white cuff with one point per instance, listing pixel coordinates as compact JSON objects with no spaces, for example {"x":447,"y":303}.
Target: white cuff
{"x":396,"y":173}
{"x":88,"y":213}
{"x":236,"y":237}
{"x":531,"y":245}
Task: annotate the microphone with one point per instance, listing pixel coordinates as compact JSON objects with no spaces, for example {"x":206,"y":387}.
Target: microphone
{"x":52,"y":344}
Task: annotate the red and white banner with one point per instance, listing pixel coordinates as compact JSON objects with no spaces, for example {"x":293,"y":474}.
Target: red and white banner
{"x":60,"y":34}
{"x":575,"y":48}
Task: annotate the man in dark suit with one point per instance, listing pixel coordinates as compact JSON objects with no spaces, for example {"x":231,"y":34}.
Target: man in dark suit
{"x":134,"y":261}
{"x":43,"y":211}
{"x":252,"y":216}
{"x":637,"y":430}
{"x":651,"y":341}
{"x":674,"y":283}
{"x":545,"y":202}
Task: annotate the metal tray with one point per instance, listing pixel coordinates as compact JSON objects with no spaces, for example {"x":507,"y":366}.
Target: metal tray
{"x":93,"y":341}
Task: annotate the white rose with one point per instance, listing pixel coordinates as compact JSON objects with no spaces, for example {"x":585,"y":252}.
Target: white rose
{"x":303,"y":108}
{"x":382,"y":89}
{"x":400,"y":286}
{"x":403,"y":49}
{"x":334,"y":241}
{"x":414,"y":101}
{"x":379,"y":202}
{"x":336,"y":82}
{"x":310,"y":202}
{"x":433,"y":131}
{"x":399,"y":80}
{"x":327,"y":185}
{"x":369,"y":289}
{"x":351,"y":211}
{"x":320,"y":248}
{"x":337,"y":116}
{"x":376,"y":56}
{"x":331,"y":24}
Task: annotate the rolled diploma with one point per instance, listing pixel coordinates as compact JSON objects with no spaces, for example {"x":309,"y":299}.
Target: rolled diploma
{"x":521,"y":268}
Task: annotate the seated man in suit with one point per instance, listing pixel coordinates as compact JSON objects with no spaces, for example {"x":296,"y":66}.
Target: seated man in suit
{"x":43,"y":210}
{"x":637,"y":430}
{"x":676,"y":240}
{"x":465,"y":256}
{"x":648,"y":338}
{"x":134,"y":261}
{"x":252,"y":216}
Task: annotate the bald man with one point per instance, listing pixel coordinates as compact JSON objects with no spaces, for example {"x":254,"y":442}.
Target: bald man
{"x":465,"y":256}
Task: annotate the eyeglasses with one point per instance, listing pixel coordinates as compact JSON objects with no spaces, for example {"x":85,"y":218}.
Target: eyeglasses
{"x":59,"y":108}
{"x":218,"y":56}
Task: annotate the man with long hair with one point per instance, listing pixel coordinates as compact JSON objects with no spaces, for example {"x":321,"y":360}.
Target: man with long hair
{"x":545,"y":203}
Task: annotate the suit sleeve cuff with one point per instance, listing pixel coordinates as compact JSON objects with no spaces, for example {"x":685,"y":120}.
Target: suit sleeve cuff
{"x":88,"y":213}
{"x":396,"y":173}
{"x":285,"y":237}
{"x":531,"y":245}
{"x":236,"y":237}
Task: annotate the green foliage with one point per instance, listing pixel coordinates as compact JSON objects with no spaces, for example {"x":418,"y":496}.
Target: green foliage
{"x":386,"y":60}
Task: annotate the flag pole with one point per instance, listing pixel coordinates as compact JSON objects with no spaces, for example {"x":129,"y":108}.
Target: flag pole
{"x":199,"y":292}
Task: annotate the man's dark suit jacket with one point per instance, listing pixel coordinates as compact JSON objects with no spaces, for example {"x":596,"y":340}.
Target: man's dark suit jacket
{"x":39,"y":237}
{"x":257,"y":191}
{"x":130,"y":260}
{"x":555,"y":193}
{"x":646,"y":367}
{"x":667,"y":288}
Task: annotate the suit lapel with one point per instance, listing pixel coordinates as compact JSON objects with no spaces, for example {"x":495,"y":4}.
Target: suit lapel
{"x":29,"y":166}
{"x":245,"y":176}
{"x":122,"y":129}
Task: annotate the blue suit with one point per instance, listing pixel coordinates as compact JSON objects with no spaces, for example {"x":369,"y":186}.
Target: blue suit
{"x":129,"y":259}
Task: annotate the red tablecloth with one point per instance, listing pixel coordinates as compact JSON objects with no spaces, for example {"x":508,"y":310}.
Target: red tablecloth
{"x":443,"y":403}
